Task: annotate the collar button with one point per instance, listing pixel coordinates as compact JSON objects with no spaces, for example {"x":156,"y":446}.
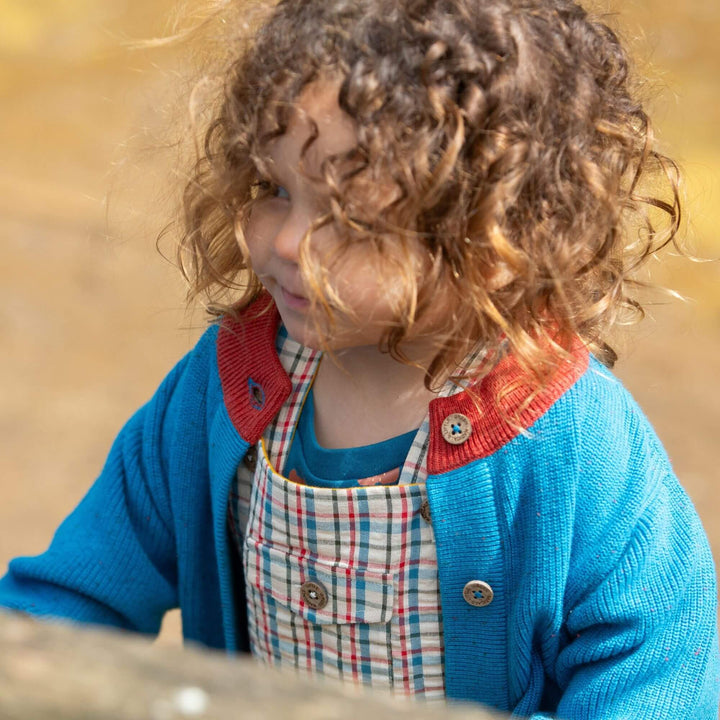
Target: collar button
{"x":456,"y":428}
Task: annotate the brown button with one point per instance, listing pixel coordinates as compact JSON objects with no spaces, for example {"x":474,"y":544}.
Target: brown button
{"x":314,"y":594}
{"x":250,"y":458}
{"x":478,"y":593}
{"x":456,"y":428}
{"x":425,"y":511}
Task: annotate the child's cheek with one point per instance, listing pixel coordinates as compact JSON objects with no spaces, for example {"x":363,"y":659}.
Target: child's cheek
{"x":255,"y":233}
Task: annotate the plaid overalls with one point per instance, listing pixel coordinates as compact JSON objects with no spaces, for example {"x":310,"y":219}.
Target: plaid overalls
{"x":341,"y":582}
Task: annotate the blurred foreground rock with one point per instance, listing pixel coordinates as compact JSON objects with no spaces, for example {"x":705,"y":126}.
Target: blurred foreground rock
{"x":65,"y":673}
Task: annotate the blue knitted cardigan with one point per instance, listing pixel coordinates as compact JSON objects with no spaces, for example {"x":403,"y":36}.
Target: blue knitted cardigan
{"x":604,"y":588}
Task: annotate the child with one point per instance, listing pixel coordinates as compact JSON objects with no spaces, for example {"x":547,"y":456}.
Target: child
{"x":394,"y":459}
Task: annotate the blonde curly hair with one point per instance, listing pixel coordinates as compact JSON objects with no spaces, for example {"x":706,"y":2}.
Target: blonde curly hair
{"x":518,"y":149}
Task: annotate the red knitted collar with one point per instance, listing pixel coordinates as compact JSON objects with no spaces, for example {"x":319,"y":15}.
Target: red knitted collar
{"x":255,"y":386}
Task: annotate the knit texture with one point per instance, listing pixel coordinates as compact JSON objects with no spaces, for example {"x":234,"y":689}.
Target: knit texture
{"x":502,"y":406}
{"x":604,"y":588}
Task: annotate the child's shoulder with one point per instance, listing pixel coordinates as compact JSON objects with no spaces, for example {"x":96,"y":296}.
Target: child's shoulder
{"x":604,"y":418}
{"x":599,"y":429}
{"x":592,"y":451}
{"x":603,"y":457}
{"x":622,"y":496}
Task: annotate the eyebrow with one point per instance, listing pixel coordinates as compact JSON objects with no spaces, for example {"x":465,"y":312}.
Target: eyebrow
{"x":311,"y":158}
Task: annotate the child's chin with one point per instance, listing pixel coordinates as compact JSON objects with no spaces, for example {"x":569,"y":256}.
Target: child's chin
{"x":308,"y":335}
{"x":301,"y":330}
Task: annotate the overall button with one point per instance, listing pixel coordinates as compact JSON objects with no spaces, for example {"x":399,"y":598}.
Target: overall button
{"x":250,"y":458}
{"x":314,"y":594}
{"x":425,"y":511}
{"x":456,"y":428}
{"x":478,"y":593}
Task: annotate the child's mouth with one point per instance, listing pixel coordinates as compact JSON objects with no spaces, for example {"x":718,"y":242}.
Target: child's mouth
{"x":293,"y":301}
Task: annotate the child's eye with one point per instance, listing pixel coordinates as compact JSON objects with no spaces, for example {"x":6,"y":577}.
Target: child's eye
{"x":265,"y":187}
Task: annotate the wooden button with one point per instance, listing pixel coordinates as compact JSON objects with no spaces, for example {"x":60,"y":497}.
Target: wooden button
{"x":478,"y":593}
{"x":456,"y":428}
{"x":425,"y":511}
{"x":314,"y":594}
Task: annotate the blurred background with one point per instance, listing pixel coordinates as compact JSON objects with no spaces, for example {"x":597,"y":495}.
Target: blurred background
{"x":92,"y":316}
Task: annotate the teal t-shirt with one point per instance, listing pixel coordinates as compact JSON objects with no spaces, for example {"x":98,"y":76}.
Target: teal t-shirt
{"x":310,"y":464}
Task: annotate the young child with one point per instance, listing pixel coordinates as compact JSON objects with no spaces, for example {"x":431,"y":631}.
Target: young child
{"x":397,"y":457}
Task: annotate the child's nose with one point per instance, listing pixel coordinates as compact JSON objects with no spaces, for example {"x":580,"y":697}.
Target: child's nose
{"x":290,"y":235}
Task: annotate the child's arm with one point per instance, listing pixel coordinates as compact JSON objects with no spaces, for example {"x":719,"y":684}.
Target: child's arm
{"x":639,"y":633}
{"x":643,"y":642}
{"x":113,"y":560}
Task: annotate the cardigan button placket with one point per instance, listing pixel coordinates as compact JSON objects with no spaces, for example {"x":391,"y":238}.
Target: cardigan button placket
{"x":456,"y":428}
{"x":478,"y":593}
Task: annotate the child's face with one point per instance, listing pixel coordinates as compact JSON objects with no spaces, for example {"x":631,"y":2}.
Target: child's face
{"x":280,"y":218}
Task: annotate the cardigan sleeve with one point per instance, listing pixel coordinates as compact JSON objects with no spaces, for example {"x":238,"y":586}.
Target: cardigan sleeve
{"x":643,"y":642}
{"x":613,"y":602}
{"x":113,"y":560}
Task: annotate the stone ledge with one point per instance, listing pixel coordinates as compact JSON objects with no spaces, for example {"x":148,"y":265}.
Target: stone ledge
{"x":62,"y":672}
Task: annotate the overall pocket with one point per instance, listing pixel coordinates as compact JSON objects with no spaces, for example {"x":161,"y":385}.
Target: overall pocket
{"x":323,"y":617}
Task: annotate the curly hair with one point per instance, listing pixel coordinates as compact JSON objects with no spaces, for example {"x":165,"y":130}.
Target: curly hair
{"x":526,"y":168}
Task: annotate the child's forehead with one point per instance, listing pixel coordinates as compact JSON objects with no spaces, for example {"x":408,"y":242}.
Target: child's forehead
{"x":316,"y":107}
